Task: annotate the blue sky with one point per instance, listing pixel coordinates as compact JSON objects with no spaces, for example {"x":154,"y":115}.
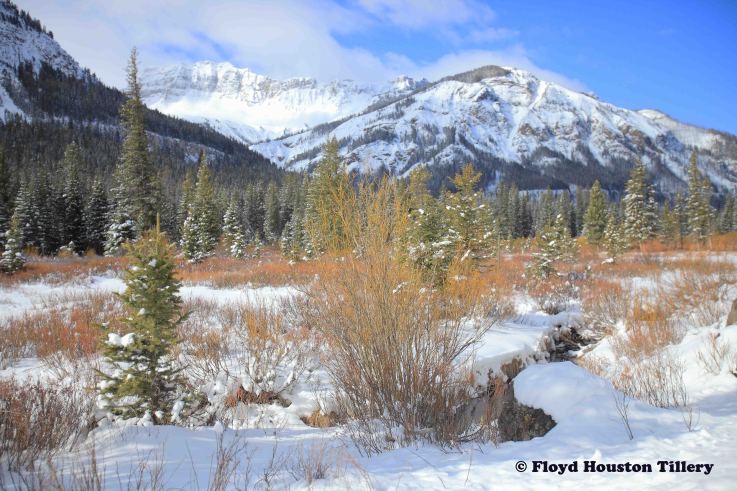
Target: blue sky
{"x":675,"y":56}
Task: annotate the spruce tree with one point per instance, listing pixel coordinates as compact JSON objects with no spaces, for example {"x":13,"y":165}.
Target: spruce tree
{"x":596,"y":216}
{"x":201,"y":228}
{"x":669,"y":225}
{"x":698,"y":209}
{"x":425,"y":242}
{"x":614,"y":239}
{"x":726,"y":215}
{"x":50,"y":206}
{"x":142,"y":380}
{"x":545,"y":210}
{"x":12,"y":257}
{"x":325,"y":219}
{"x":638,"y":219}
{"x":467,"y":216}
{"x":137,"y":189}
{"x":554,"y":244}
{"x":272,"y":220}
{"x":234,"y":239}
{"x":566,"y":211}
{"x":186,"y":199}
{"x":26,"y":212}
{"x":582,"y":204}
{"x":73,"y":229}
{"x":95,"y":218}
{"x":5,"y":195}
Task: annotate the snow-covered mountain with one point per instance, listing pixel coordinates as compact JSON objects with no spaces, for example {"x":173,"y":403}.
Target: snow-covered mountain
{"x":509,"y":122}
{"x":506,"y":121}
{"x":251,"y":107}
{"x":24,"y":40}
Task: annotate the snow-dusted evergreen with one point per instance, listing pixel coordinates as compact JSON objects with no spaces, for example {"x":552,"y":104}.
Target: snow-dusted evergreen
{"x":136,"y":195}
{"x":201,"y":228}
{"x":554,"y":244}
{"x":139,"y":378}
{"x":639,"y":210}
{"x":698,"y":209}
{"x":12,"y":258}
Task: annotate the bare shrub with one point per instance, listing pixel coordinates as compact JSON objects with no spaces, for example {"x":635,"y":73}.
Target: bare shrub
{"x":271,"y":352}
{"x":554,"y":294}
{"x":228,"y":469}
{"x":716,"y":355}
{"x":657,"y":380}
{"x":314,"y":463}
{"x":205,"y":349}
{"x":622,"y":404}
{"x":36,"y":421}
{"x":604,"y":304}
{"x":649,"y":328}
{"x":395,"y":351}
{"x":700,"y":295}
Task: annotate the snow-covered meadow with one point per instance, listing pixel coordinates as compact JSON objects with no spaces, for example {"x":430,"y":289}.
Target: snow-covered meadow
{"x":268,"y":444}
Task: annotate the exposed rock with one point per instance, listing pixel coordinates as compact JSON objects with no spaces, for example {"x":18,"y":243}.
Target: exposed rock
{"x":732,"y":316}
{"x":518,"y":422}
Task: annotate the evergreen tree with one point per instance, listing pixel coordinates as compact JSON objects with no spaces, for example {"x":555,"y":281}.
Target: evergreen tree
{"x":201,"y":228}
{"x":467,"y":215}
{"x":595,"y":218}
{"x":253,"y":209}
{"x":679,"y":208}
{"x":272,"y":221}
{"x":26,"y":212}
{"x":295,"y":241}
{"x":545,"y":211}
{"x":638,"y":219}
{"x":142,"y":380}
{"x":5,"y":195}
{"x":698,"y":209}
{"x":186,"y":199}
{"x":566,"y":211}
{"x":669,"y":225}
{"x":325,"y":215}
{"x":136,"y":195}
{"x":50,"y":212}
{"x":427,"y":244}
{"x":554,"y":244}
{"x":727,"y":214}
{"x":73,"y":229}
{"x":234,"y":239}
{"x":582,"y":204}
{"x":614,"y":239}
{"x":12,"y":258}
{"x":208,"y":217}
{"x":95,"y":218}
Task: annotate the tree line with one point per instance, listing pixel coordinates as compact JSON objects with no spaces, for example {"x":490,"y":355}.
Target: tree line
{"x":65,"y":209}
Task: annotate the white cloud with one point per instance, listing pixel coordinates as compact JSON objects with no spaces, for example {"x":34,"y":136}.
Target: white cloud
{"x":418,"y":14}
{"x":281,"y":39}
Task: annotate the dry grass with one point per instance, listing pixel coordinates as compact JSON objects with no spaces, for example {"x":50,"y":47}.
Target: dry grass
{"x":270,"y":270}
{"x":60,"y":270}
{"x":64,"y":336}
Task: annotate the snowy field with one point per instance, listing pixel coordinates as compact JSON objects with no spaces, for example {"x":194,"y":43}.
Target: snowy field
{"x":270,"y":447}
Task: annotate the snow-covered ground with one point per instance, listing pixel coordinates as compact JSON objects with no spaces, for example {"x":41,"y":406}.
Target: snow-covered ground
{"x":272,"y":447}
